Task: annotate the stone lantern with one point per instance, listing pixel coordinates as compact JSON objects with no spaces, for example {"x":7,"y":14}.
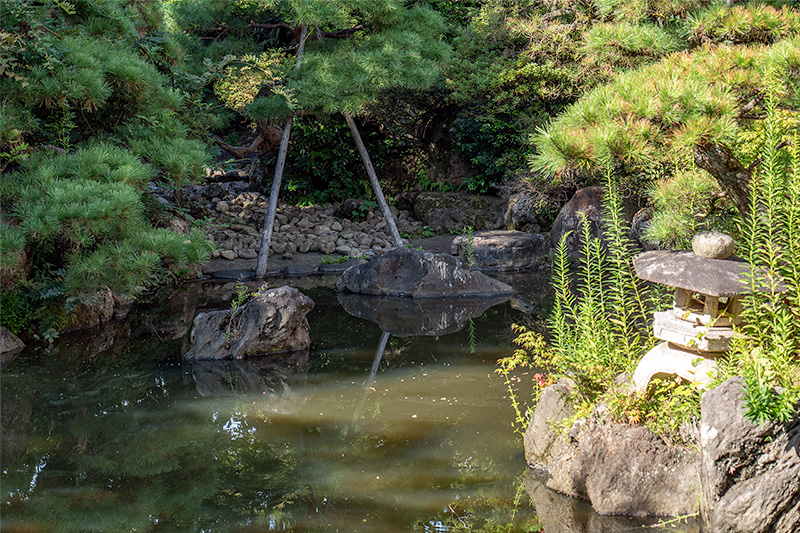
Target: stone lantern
{"x":707,"y":303}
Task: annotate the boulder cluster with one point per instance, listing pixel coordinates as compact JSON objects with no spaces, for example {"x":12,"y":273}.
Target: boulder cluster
{"x":238,"y":214}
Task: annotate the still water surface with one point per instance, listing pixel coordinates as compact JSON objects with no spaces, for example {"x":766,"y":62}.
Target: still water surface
{"x":367,"y":432}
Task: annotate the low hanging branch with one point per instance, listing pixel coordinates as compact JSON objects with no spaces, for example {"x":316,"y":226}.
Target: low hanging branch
{"x":321,"y":35}
{"x":268,"y":138}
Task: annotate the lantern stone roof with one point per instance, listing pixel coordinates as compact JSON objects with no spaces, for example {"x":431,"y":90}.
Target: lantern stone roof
{"x":685,"y":270}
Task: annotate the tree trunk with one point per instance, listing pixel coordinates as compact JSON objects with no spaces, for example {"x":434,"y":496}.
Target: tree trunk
{"x":373,"y":179}
{"x":732,"y":176}
{"x":269,"y":220}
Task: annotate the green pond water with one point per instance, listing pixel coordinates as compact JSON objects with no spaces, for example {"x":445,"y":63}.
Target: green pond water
{"x":111,"y":431}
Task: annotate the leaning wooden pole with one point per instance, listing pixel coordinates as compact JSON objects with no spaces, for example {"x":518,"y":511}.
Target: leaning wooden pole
{"x":373,"y":179}
{"x":269,"y":221}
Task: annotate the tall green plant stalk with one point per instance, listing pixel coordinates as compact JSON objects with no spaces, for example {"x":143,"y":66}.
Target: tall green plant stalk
{"x":769,"y":356}
{"x":595,"y":332}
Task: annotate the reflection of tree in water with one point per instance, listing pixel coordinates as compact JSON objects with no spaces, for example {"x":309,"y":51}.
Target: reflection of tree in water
{"x":109,"y":447}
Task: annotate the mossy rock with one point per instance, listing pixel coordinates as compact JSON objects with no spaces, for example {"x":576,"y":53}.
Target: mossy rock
{"x":445,"y":211}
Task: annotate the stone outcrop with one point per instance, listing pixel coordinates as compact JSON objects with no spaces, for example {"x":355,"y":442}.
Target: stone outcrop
{"x":503,"y":250}
{"x":745,"y":476}
{"x":406,"y":272}
{"x":542,"y":440}
{"x":524,"y":214}
{"x":627,"y":470}
{"x":406,"y":317}
{"x":273,"y":322}
{"x":91,"y":311}
{"x":10,"y":346}
{"x":750,"y":472}
{"x":444,"y":211}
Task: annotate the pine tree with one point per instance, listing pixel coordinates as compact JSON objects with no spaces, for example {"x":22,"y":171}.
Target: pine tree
{"x":346,"y":55}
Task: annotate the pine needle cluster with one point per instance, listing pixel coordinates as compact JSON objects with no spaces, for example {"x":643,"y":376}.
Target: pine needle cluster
{"x":88,"y":117}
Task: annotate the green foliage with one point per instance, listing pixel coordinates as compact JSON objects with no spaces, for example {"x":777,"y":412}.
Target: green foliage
{"x":469,"y":247}
{"x":88,"y":117}
{"x":17,"y":310}
{"x":685,"y":203}
{"x":595,"y":330}
{"x":768,"y":354}
{"x":627,"y":44}
{"x":668,"y":410}
{"x":743,"y":24}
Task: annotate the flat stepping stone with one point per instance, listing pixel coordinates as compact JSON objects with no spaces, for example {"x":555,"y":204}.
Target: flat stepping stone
{"x":338,"y":268}
{"x":300,"y":270}
{"x":503,"y":250}
{"x":234,"y":275}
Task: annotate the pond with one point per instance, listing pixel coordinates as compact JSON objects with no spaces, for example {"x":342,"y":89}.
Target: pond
{"x":370,"y":431}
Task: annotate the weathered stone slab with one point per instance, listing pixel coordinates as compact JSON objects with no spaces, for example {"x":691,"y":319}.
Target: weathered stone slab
{"x":503,"y":250}
{"x":300,"y":270}
{"x":692,"y":336}
{"x":406,"y":272}
{"x":715,"y":277}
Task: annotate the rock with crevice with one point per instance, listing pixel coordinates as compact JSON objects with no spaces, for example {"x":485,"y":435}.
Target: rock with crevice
{"x":750,"y":471}
{"x":270,"y":323}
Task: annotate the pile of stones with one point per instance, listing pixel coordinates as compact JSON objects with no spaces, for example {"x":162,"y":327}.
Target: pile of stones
{"x":237,"y":217}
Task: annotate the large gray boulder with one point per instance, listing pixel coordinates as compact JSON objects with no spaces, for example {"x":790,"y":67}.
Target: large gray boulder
{"x":273,"y":322}
{"x":628,"y":470}
{"x":524,"y":213}
{"x":750,"y":472}
{"x":406,"y":272}
{"x":542,"y":440}
{"x":444,"y":211}
{"x":503,"y":250}
{"x":586,"y":201}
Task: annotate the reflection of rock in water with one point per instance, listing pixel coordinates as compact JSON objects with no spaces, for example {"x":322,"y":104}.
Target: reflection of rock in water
{"x":268,"y":377}
{"x":562,"y":514}
{"x":405,"y":317}
{"x":16,"y":419}
{"x":108,"y":340}
{"x":172,"y":318}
